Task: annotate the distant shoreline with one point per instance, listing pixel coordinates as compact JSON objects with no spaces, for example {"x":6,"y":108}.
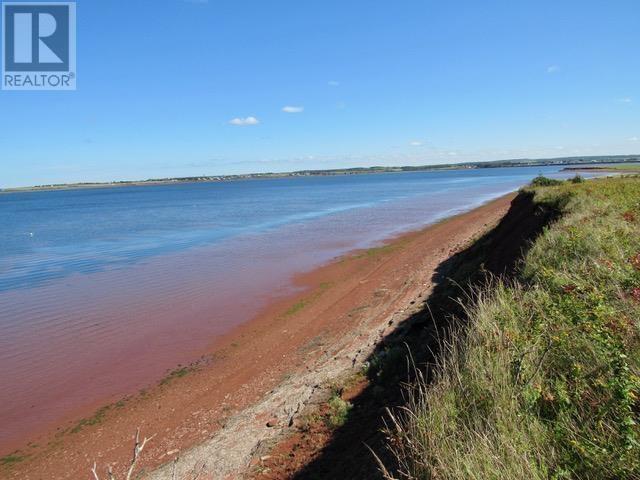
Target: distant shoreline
{"x":616,"y":169}
{"x":567,"y":161}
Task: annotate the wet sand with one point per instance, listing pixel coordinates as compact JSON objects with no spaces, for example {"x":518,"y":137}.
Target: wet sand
{"x":245,"y":376}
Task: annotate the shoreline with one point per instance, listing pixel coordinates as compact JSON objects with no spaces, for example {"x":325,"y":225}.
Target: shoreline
{"x":513,"y":163}
{"x":635,"y":168}
{"x":353,"y":296}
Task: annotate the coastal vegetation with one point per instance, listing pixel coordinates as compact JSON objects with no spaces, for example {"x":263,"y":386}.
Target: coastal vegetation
{"x":541,"y":181}
{"x":338,"y":410}
{"x":11,"y":459}
{"x":178,"y":372}
{"x":305,"y":302}
{"x":540,"y":378}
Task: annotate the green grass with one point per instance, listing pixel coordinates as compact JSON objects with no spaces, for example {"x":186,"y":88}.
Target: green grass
{"x":96,"y":419}
{"x":545,"y":380}
{"x":630,"y":168}
{"x":12,"y":459}
{"x":303,"y":303}
{"x":296,"y":307}
{"x":338,"y":411}
{"x":177,"y":373}
{"x":376,"y":252}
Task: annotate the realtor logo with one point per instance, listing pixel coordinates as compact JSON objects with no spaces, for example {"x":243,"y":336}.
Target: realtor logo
{"x":39,"y":46}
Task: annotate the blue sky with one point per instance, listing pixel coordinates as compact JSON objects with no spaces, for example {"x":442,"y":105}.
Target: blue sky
{"x":192,"y":87}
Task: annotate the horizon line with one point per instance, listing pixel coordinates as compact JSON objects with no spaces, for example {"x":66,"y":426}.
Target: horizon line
{"x":319,"y":172}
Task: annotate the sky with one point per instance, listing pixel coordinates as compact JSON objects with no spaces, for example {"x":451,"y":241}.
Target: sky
{"x":194,"y":87}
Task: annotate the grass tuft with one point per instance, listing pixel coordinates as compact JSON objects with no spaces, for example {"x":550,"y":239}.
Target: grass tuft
{"x":338,"y":411}
{"x":304,"y":302}
{"x":177,"y":373}
{"x":12,"y":459}
{"x":96,"y":419}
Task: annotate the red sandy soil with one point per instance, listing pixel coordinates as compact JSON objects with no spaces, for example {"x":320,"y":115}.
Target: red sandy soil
{"x":344,"y":303}
{"x":300,"y":448}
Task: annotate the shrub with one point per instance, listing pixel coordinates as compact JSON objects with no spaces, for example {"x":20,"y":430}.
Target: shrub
{"x":577,"y":179}
{"x":542,"y":181}
{"x":338,"y":411}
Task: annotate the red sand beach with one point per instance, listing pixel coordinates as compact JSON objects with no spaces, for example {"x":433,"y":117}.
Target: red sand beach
{"x":336,"y":305}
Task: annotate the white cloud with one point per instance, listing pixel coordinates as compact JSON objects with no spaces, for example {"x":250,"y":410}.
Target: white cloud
{"x":625,"y":100}
{"x":290,"y":109}
{"x":553,"y":68}
{"x":634,"y":139}
{"x":243,"y":122}
{"x":333,"y":83}
{"x":416,"y":143}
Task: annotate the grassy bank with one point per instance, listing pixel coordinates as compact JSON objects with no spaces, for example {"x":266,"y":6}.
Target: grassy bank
{"x":542,"y":381}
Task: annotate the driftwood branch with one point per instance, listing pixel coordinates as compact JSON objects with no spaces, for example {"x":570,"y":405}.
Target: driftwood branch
{"x":95,"y":473}
{"x":175,"y":467}
{"x":137,"y":450}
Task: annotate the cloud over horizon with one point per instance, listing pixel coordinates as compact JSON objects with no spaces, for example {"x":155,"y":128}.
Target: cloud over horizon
{"x":291,"y":109}
{"x":243,"y":122}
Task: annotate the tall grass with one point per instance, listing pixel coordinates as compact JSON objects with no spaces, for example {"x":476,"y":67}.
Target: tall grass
{"x":543,"y":382}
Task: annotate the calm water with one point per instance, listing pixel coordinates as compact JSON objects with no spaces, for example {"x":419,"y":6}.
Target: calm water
{"x":102,"y":290}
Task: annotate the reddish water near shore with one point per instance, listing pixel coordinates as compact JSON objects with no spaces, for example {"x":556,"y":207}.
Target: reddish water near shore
{"x":115,"y":331}
{"x":88,"y":321}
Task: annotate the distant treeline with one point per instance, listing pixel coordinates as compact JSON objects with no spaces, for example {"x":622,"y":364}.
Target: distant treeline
{"x":523,"y":162}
